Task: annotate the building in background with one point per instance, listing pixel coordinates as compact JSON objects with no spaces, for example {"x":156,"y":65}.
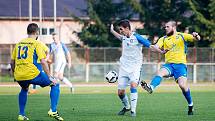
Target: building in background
{"x":15,"y":15}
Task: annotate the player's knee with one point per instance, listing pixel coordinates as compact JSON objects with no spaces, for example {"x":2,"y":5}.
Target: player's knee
{"x":133,"y":85}
{"x":60,"y":77}
{"x":163,"y":72}
{"x":121,"y":92}
{"x":183,"y":85}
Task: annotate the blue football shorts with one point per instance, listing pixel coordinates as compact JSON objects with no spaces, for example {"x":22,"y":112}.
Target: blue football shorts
{"x":42,"y":79}
{"x":176,"y":70}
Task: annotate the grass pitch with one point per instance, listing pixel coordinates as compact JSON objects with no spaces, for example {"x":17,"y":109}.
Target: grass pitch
{"x":92,"y":103}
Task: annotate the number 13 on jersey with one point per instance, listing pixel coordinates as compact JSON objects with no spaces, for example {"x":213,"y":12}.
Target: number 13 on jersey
{"x":22,"y":52}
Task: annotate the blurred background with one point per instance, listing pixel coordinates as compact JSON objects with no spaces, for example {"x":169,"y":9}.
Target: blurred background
{"x":84,"y":26}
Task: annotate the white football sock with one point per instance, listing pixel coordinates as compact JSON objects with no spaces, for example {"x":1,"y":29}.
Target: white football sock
{"x":133,"y":98}
{"x":67,"y":82}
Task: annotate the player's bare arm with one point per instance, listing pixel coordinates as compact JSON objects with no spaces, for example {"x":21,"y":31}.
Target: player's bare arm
{"x":196,"y":36}
{"x":116,"y":34}
{"x":156,"y":48}
{"x":45,"y":67}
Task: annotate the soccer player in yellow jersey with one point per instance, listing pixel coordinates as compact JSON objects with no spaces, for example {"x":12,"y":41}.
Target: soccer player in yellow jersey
{"x":175,"y":44}
{"x":27,"y":70}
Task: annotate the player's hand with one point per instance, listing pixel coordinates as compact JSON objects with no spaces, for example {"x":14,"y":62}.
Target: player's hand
{"x":53,"y":80}
{"x":111,"y":27}
{"x":165,"y":51}
{"x":196,"y":35}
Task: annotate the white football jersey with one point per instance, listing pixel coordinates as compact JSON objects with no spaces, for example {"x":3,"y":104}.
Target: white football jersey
{"x":59,"y":54}
{"x":132,"y":56}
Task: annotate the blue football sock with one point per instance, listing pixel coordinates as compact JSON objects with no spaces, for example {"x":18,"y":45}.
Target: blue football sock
{"x":54,"y":96}
{"x":155,"y":81}
{"x":22,"y":101}
{"x":188,"y":97}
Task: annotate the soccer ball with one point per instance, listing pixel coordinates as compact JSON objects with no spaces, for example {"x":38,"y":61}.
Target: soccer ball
{"x":111,"y":76}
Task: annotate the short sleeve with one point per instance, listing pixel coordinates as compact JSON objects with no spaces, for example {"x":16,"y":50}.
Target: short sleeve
{"x":187,"y":37}
{"x":66,"y":50}
{"x":160,"y":42}
{"x":40,"y":52}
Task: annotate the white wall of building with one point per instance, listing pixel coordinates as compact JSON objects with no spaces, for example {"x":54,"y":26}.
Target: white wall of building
{"x":12,"y":31}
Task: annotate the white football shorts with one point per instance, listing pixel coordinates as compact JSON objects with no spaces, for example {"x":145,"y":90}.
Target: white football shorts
{"x":59,"y":67}
{"x":125,"y":78}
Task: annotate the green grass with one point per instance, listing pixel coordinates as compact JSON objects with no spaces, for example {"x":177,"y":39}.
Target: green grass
{"x":102,"y":104}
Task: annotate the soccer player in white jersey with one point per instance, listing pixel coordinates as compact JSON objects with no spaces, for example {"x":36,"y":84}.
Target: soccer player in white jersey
{"x":130,"y":64}
{"x":61,"y":56}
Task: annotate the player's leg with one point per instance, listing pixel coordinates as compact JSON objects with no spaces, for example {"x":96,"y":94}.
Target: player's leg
{"x":182,"y":82}
{"x":122,"y":84}
{"x":67,"y":82}
{"x":43,"y":80}
{"x":134,"y":80}
{"x":166,"y":70}
{"x":133,"y":98}
{"x":180,"y":74}
{"x":23,"y":99}
{"x":64,"y":79}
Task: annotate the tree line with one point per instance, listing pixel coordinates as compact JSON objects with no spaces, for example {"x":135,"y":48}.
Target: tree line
{"x":191,"y":15}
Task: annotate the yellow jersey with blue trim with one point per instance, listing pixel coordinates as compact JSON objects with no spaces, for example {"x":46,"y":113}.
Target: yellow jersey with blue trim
{"x":177,"y":46}
{"x":26,"y":53}
{"x":45,"y":48}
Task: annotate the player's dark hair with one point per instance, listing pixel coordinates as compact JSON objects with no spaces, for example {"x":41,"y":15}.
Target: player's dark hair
{"x":32,"y":28}
{"x":125,"y":23}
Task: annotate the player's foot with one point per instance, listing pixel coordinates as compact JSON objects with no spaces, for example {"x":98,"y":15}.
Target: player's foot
{"x":123,"y":111}
{"x":55,"y":115}
{"x":22,"y":118}
{"x":190,"y":110}
{"x":133,"y":114}
{"x":33,"y":91}
{"x":146,"y":87}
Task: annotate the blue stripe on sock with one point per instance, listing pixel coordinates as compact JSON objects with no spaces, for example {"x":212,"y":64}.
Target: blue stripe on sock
{"x":133,"y":90}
